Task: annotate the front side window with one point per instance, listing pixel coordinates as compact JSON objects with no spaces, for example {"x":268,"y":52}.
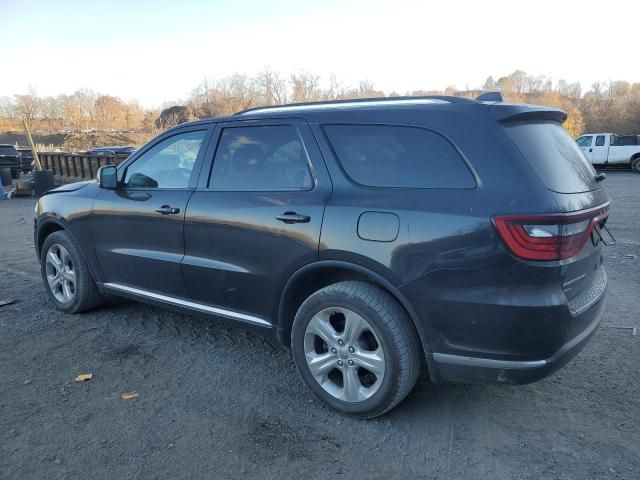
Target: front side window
{"x":398,"y":156}
{"x":599,"y":140}
{"x":585,"y":142}
{"x":168,"y":164}
{"x":260,"y":158}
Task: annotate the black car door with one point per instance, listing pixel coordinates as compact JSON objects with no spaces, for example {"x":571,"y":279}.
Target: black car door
{"x":256,"y":217}
{"x":138,"y":227}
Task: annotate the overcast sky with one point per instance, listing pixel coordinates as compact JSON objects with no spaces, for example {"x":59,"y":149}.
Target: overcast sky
{"x":158,"y":51}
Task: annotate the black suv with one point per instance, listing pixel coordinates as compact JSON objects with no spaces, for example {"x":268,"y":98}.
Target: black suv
{"x":373,"y":238}
{"x":9,"y":157}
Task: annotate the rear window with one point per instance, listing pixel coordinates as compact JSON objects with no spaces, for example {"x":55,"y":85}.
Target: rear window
{"x":554,"y":156}
{"x":7,"y":150}
{"x":397,"y":156}
{"x":625,"y":140}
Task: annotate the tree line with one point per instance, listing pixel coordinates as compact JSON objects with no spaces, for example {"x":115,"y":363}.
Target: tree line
{"x":611,"y":106}
{"x":82,"y":110}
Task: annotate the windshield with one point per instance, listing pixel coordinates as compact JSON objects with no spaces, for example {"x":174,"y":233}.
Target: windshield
{"x":554,"y":156}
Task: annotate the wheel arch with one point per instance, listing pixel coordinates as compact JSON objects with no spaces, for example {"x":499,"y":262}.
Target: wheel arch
{"x":46,"y":228}
{"x":49,"y":225}
{"x":314,"y":276}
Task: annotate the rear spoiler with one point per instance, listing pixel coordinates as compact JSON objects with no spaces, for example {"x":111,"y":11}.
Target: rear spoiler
{"x":509,"y":113}
{"x":490,"y":97}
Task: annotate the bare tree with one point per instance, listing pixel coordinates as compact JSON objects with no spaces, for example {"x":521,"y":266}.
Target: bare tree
{"x":335,"y":89}
{"x":27,"y":106}
{"x":490,"y":84}
{"x":110,"y":112}
{"x":366,"y":90}
{"x":272,"y":88}
{"x":203,"y":99}
{"x":305,"y":87}
{"x":52,"y":112}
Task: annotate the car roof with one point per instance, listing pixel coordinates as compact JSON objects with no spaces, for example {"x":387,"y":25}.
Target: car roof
{"x":309,"y":108}
{"x":354,"y":104}
{"x":317,"y":110}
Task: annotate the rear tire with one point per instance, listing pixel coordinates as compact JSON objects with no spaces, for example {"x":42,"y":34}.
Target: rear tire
{"x":66,"y":275}
{"x":361,"y":345}
{"x":635,"y":164}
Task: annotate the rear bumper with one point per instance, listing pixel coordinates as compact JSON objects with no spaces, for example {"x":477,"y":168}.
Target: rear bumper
{"x":505,"y":335}
{"x":457,"y":368}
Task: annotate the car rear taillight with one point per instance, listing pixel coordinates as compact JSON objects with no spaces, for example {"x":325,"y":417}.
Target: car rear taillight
{"x":548,"y":237}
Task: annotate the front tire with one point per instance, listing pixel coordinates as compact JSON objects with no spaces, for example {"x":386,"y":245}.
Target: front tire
{"x":356,"y":348}
{"x":635,"y":164}
{"x":66,"y":275}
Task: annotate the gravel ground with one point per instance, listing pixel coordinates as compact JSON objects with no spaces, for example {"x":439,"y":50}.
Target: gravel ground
{"x":217,"y":402}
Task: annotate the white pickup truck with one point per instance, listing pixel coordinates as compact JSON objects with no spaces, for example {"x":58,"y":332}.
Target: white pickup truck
{"x":610,"y":149}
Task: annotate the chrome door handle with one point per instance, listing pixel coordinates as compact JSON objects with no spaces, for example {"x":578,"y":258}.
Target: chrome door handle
{"x":168,"y":210}
{"x":293,"y":217}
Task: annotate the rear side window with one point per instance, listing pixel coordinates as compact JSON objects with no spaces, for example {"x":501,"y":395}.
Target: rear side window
{"x":625,"y":140}
{"x":554,"y":156}
{"x":261,"y":159}
{"x":600,"y":141}
{"x":397,"y":156}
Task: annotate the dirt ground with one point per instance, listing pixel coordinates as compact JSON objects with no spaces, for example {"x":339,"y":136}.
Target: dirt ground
{"x":217,"y":402}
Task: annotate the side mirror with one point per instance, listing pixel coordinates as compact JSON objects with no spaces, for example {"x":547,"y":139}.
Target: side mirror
{"x":108,"y":177}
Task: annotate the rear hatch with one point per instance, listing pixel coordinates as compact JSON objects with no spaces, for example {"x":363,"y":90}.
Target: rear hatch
{"x":571,"y":236}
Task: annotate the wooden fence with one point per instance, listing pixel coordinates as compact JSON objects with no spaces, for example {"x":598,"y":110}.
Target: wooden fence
{"x":75,"y":167}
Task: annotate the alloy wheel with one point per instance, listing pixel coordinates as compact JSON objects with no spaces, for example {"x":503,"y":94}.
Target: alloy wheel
{"x":61,"y":275}
{"x":344,"y":354}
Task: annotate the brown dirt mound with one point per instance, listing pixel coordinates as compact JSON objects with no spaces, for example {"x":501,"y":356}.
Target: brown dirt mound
{"x":77,"y":141}
{"x":84,"y":141}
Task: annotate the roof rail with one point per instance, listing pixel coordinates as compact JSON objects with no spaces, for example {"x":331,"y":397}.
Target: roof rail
{"x":444,"y":98}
